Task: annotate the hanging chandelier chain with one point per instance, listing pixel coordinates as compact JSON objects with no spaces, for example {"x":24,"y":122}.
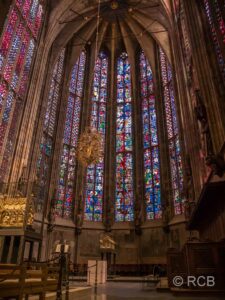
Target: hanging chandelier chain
{"x":97,"y":30}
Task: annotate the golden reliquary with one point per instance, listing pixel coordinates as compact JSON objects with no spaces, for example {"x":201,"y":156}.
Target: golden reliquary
{"x":12,"y":212}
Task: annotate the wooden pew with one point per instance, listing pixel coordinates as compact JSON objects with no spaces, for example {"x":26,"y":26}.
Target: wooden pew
{"x":27,"y":279}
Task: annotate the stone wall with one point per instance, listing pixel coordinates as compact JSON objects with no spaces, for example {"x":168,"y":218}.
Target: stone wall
{"x":148,"y":248}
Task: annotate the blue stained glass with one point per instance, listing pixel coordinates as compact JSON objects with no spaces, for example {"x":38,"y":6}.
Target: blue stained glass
{"x":14,"y":50}
{"x":176,"y":168}
{"x":150,"y":142}
{"x":215,"y":16}
{"x":124,"y":146}
{"x":43,"y":165}
{"x":95,"y":173}
{"x":65,"y":191}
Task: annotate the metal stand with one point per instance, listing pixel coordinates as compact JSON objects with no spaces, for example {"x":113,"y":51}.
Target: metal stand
{"x":62,"y":261}
{"x":96,"y":279}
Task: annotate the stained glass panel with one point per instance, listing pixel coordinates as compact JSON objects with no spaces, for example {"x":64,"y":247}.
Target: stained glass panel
{"x":65,"y":191}
{"x":46,"y":146}
{"x":124,"y":145}
{"x":95,"y":173}
{"x":172,"y":134}
{"x":215,"y":16}
{"x":150,"y":142}
{"x":17,"y":47}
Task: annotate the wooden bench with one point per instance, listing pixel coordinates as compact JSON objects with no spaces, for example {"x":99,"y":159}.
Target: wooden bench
{"x":28,"y":279}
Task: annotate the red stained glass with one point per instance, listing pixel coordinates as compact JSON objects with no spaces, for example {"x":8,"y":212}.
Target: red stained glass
{"x":17,"y":46}
{"x":94,"y":188}
{"x":150,"y":142}
{"x":65,"y":191}
{"x":124,"y":210}
{"x":176,"y":168}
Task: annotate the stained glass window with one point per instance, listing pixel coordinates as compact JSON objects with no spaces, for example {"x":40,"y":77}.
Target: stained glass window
{"x":49,"y":129}
{"x":214,"y":10}
{"x":124,"y":158}
{"x":172,"y":134}
{"x":17,"y":47}
{"x":65,"y":195}
{"x":95,"y":173}
{"x":150,"y":142}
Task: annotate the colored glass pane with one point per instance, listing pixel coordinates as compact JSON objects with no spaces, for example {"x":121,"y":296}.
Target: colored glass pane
{"x":65,"y":191}
{"x":46,"y":145}
{"x":124,"y":144}
{"x":172,"y":134}
{"x":17,"y":47}
{"x":215,"y":15}
{"x":95,"y":173}
{"x":150,"y":142}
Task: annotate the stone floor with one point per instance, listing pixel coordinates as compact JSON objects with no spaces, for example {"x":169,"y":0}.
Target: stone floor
{"x":135,"y":291}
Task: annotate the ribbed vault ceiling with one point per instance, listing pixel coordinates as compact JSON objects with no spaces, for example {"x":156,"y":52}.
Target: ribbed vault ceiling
{"x":123,"y":24}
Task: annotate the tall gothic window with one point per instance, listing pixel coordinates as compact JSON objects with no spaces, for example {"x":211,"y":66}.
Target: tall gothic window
{"x":46,"y":146}
{"x":95,"y":173}
{"x":150,"y":140}
{"x":172,"y":134}
{"x":17,"y":47}
{"x":124,"y":157}
{"x":214,"y":11}
{"x":65,"y":192}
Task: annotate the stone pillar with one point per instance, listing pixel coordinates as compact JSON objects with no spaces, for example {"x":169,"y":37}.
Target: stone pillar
{"x":9,"y":257}
{"x":187,"y":83}
{"x":165,"y":177}
{"x":2,"y":241}
{"x":4,"y":9}
{"x":59,"y":129}
{"x":110,"y":140}
{"x":204,"y":69}
{"x":21,"y":250}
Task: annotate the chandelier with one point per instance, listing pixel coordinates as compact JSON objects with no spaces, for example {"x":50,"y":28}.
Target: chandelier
{"x":89,"y":149}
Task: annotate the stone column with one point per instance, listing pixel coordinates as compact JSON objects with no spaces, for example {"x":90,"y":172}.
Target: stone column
{"x":2,"y":241}
{"x":4,"y":9}
{"x":59,"y":129}
{"x":186,"y":85}
{"x":9,"y":257}
{"x":21,"y":250}
{"x":205,"y":71}
{"x":165,"y":177}
{"x":109,"y":197}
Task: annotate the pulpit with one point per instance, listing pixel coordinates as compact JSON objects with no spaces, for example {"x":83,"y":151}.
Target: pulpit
{"x":108,"y":251}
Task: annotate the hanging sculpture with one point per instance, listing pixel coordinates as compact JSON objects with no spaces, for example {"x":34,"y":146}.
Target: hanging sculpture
{"x":89,"y":150}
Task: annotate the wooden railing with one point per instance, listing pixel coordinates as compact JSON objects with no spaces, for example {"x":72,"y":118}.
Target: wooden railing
{"x":28,"y":279}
